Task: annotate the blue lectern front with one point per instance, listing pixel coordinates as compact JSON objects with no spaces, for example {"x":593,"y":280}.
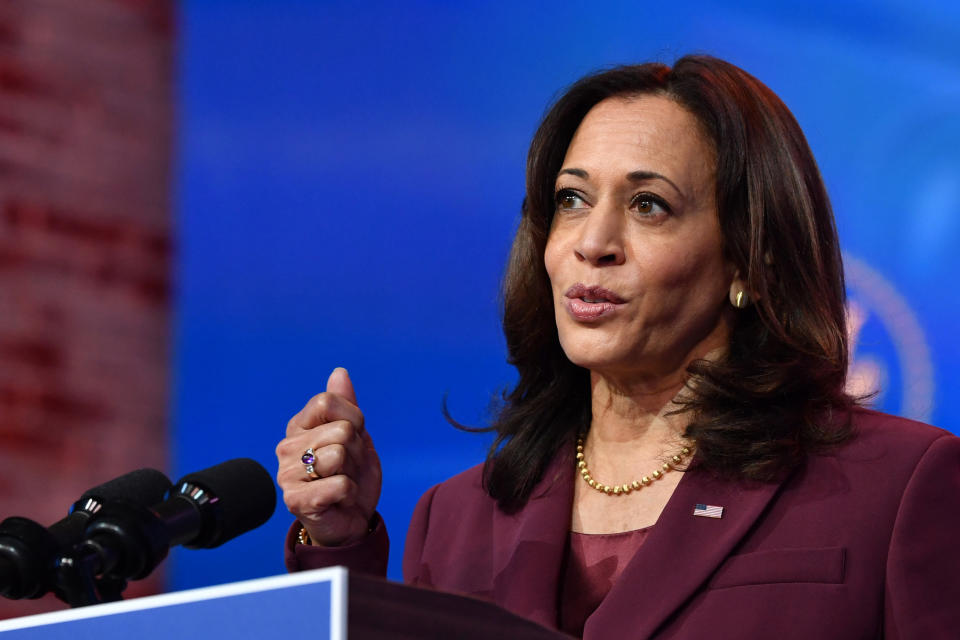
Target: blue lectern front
{"x":325,"y":604}
{"x":311,"y":603}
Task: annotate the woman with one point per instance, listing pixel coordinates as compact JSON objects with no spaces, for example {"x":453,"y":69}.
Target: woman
{"x":678,"y":458}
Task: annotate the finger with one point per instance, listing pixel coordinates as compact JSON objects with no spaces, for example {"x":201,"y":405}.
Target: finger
{"x":339,"y":383}
{"x":323,"y":408}
{"x":348,"y":450}
{"x":311,"y":499}
{"x":332,"y":460}
{"x":294,"y":478}
{"x":339,"y":432}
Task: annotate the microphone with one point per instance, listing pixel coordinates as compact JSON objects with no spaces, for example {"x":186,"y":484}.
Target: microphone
{"x":28,"y":551}
{"x":143,"y":486}
{"x":204,"y":510}
{"x":219,"y":503}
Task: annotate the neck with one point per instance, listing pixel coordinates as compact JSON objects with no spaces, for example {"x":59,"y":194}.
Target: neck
{"x":638,"y":407}
{"x":636,"y":412}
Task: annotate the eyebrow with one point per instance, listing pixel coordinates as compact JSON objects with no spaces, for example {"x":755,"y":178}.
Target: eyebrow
{"x":633,"y":176}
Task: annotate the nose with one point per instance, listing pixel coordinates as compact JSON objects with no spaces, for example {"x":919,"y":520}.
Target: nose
{"x":601,"y":237}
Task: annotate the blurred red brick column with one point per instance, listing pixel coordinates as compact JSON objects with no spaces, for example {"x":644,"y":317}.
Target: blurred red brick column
{"x":86,"y":133}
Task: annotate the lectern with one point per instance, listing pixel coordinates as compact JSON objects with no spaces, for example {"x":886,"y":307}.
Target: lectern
{"x":324,"y":604}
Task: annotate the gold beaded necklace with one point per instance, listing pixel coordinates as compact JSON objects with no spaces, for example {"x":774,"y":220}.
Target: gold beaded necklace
{"x":623,"y":489}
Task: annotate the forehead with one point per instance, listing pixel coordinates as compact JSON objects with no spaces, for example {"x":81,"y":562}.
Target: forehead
{"x":647,"y":132}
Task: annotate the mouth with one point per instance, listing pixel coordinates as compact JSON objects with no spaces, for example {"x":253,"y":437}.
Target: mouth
{"x":591,"y":303}
{"x":593,"y":294}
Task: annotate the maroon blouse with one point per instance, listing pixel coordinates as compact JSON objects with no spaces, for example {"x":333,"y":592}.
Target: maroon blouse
{"x":593,"y":563}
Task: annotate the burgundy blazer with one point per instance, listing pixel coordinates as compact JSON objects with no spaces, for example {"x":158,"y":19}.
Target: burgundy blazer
{"x":862,"y":542}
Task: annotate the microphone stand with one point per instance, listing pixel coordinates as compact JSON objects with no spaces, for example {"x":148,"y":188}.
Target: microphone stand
{"x":79,"y":586}
{"x":125,"y":541}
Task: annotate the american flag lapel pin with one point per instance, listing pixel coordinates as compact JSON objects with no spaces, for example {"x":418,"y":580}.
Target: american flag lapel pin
{"x":708,"y":510}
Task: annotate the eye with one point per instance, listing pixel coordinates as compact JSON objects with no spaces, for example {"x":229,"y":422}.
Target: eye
{"x":570,"y":199}
{"x":649,"y":205}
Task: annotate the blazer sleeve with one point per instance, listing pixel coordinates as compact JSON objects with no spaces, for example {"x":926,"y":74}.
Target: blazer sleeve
{"x":369,"y":555}
{"x":923,"y":563}
{"x":414,"y":571}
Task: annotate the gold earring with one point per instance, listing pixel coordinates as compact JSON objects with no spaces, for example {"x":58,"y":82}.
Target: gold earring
{"x":741,"y":299}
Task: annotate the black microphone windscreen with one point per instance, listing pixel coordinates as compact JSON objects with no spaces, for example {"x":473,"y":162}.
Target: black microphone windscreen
{"x":143,"y":486}
{"x":245,"y":492}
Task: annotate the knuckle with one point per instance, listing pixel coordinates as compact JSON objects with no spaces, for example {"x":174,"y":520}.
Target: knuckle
{"x":323,"y":499}
{"x":346,"y":430}
{"x":286,"y":482}
{"x":293,"y":505}
{"x":338,"y":454}
{"x":346,"y":485}
{"x":338,"y":488}
{"x":283,"y":448}
{"x":320,"y":403}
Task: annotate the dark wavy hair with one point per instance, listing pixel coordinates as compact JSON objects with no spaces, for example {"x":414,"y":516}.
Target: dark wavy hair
{"x":777,"y":392}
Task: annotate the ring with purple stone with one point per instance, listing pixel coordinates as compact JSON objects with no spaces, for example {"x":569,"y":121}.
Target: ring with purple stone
{"x":308,"y":459}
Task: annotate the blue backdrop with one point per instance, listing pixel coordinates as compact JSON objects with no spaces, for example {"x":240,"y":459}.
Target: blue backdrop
{"x":350,"y":176}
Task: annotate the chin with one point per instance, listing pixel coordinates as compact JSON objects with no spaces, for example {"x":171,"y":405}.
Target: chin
{"x":596,"y":357}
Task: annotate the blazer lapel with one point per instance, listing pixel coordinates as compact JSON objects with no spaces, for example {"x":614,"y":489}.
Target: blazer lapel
{"x":679,"y":555}
{"x":528,"y":546}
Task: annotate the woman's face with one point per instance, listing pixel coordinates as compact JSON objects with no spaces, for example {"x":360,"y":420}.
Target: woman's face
{"x":634,"y":254}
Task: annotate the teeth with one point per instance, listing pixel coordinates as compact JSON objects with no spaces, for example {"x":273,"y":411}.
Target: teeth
{"x":593,"y":300}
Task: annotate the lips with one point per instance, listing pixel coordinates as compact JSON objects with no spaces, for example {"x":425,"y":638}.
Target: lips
{"x":589,"y":303}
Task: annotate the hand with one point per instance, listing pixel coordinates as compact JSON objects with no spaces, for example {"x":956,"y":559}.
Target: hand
{"x":336,"y":507}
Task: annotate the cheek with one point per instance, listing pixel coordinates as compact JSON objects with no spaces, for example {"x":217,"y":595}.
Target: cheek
{"x":682,"y":283}
{"x":552,"y":262}
{"x":673,"y":270}
{"x":697,"y":262}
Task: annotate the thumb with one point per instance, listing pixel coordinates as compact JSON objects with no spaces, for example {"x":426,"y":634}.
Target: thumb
{"x":339,"y":384}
